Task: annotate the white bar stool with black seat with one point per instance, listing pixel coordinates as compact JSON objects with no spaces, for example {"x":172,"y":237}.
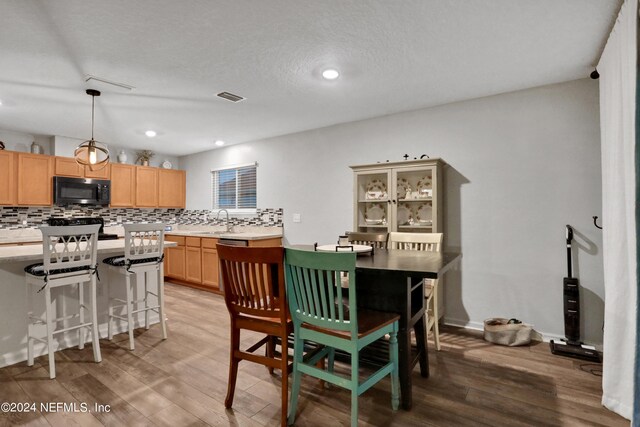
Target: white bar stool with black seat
{"x":143,"y":256}
{"x":69,"y":259}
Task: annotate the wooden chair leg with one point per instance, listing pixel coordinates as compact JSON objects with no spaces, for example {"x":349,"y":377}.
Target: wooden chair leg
{"x":395,"y":377}
{"x":50,"y":325}
{"x":109,"y":311}
{"x":354,"y":388}
{"x":298,"y":350}
{"x":163,"y":320}
{"x":270,"y":350}
{"x":129,"y":310}
{"x":284,"y":371}
{"x":81,"y":331}
{"x":29,"y":325}
{"x":233,"y":365}
{"x":436,"y":329}
{"x":95,"y":334}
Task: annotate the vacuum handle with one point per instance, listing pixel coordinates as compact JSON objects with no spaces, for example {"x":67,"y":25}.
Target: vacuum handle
{"x":569,"y":235}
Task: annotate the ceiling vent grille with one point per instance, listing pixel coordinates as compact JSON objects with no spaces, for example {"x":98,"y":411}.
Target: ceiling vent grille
{"x":230,"y":97}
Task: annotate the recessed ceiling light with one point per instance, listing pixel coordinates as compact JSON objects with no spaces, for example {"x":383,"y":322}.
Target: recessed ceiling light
{"x":150,"y":133}
{"x":219,"y":143}
{"x":330,"y":74}
{"x":0,"y":101}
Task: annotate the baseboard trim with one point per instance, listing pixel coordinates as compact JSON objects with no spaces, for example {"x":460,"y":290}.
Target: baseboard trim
{"x":71,"y":340}
{"x":479,"y":326}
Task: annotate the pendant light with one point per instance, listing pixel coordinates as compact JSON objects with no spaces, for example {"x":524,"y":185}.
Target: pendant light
{"x":92,"y":153}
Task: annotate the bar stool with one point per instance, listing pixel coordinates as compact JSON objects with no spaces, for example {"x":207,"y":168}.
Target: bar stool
{"x":143,"y":255}
{"x":69,"y":258}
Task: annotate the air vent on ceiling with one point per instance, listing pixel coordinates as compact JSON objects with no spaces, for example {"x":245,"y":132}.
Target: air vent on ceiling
{"x":230,"y":97}
{"x":93,"y":79}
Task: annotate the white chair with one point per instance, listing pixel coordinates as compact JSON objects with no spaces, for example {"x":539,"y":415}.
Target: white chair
{"x":69,"y":258}
{"x":423,"y":242}
{"x":143,"y":255}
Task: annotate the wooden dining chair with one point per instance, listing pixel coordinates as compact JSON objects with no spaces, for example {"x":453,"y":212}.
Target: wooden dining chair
{"x":313,"y":287}
{"x":376,"y":240}
{"x":254,"y":293}
{"x":423,"y":242}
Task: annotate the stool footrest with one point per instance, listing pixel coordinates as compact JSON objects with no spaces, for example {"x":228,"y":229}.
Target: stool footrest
{"x":70,"y":328}
{"x":153,"y":308}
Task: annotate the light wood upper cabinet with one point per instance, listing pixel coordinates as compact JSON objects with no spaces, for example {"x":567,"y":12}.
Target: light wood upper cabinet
{"x":146,"y":187}
{"x":67,"y":166}
{"x":123,"y":185}
{"x":171,"y":188}
{"x":35,"y":183}
{"x":7,"y":178}
{"x":97,"y":173}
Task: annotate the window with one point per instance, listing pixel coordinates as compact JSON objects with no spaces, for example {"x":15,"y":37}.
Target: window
{"x":234,"y":188}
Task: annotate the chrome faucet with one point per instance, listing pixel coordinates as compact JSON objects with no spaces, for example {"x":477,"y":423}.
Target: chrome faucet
{"x":227,"y":224}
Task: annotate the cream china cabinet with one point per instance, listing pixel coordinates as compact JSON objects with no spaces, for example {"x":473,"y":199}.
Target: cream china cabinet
{"x":400,"y":196}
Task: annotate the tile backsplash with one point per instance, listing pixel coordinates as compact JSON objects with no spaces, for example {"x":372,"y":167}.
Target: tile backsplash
{"x":11,"y":217}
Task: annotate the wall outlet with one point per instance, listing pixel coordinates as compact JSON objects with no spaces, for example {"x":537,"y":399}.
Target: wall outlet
{"x":22,"y":218}
{"x":297,"y":217}
{"x":119,"y":219}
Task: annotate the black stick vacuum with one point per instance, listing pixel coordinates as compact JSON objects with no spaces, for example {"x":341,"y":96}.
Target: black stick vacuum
{"x":572,"y":346}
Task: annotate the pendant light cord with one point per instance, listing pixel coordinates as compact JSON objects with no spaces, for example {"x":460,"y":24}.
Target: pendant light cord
{"x":93,"y":100}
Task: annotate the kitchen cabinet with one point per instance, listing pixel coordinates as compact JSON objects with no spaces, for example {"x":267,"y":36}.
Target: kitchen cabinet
{"x":210,"y":268}
{"x":102,"y":173}
{"x":123,"y":185}
{"x":171,"y":188}
{"x":67,"y":166}
{"x":174,"y":258}
{"x":193,"y":260}
{"x":146,"y":187}
{"x":197,"y":265}
{"x":402,"y":196}
{"x":35,"y":179}
{"x":7,"y":178}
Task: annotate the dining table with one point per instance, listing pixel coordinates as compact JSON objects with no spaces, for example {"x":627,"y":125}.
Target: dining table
{"x":392,"y":280}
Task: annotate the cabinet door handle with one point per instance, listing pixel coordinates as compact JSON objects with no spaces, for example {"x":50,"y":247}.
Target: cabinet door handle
{"x":394,"y":201}
{"x":389,"y":201}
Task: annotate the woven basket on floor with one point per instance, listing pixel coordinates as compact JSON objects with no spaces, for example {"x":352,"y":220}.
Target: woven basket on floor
{"x":500,"y":331}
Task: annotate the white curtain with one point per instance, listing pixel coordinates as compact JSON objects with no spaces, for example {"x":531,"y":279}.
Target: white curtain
{"x":617,"y":69}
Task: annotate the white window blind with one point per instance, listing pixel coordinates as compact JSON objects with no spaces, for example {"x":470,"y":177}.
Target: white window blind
{"x":235,"y":187}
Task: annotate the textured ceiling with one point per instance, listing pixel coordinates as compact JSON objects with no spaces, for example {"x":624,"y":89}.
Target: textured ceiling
{"x":392,"y":56}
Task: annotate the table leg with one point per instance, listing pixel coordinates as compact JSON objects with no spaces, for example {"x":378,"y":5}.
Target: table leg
{"x":420,"y":329}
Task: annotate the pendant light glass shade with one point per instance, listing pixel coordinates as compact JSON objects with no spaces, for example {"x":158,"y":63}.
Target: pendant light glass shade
{"x":92,"y":153}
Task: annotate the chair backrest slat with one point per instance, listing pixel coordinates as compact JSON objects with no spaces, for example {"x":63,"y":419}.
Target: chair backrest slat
{"x":377,"y":240}
{"x":314,"y":289}
{"x":431,"y":242}
{"x":143,"y":241}
{"x":253,"y":280}
{"x":69,"y":246}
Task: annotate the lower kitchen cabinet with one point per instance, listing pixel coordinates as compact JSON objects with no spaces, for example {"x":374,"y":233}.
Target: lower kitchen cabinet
{"x":174,"y":258}
{"x":210,"y":270}
{"x":194,"y":262}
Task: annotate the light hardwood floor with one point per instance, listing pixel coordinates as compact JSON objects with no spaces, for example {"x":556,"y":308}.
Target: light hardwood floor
{"x":182,"y":382}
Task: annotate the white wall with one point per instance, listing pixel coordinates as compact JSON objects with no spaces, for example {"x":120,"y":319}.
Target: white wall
{"x":17,"y":141}
{"x":522,"y":165}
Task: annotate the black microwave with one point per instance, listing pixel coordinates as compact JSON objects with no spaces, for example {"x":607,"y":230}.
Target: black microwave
{"x":81,"y":191}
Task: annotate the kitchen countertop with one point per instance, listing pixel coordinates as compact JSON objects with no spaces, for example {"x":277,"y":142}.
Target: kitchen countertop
{"x":34,"y":252}
{"x":224,"y":235}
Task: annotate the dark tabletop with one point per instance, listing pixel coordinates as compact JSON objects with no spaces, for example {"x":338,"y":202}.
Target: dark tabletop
{"x":427,"y":264}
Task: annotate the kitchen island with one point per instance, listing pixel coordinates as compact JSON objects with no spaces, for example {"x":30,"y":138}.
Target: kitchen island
{"x":13,"y":306}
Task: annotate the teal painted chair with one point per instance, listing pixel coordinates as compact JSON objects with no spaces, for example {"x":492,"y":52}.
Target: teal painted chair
{"x":321,"y":314}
